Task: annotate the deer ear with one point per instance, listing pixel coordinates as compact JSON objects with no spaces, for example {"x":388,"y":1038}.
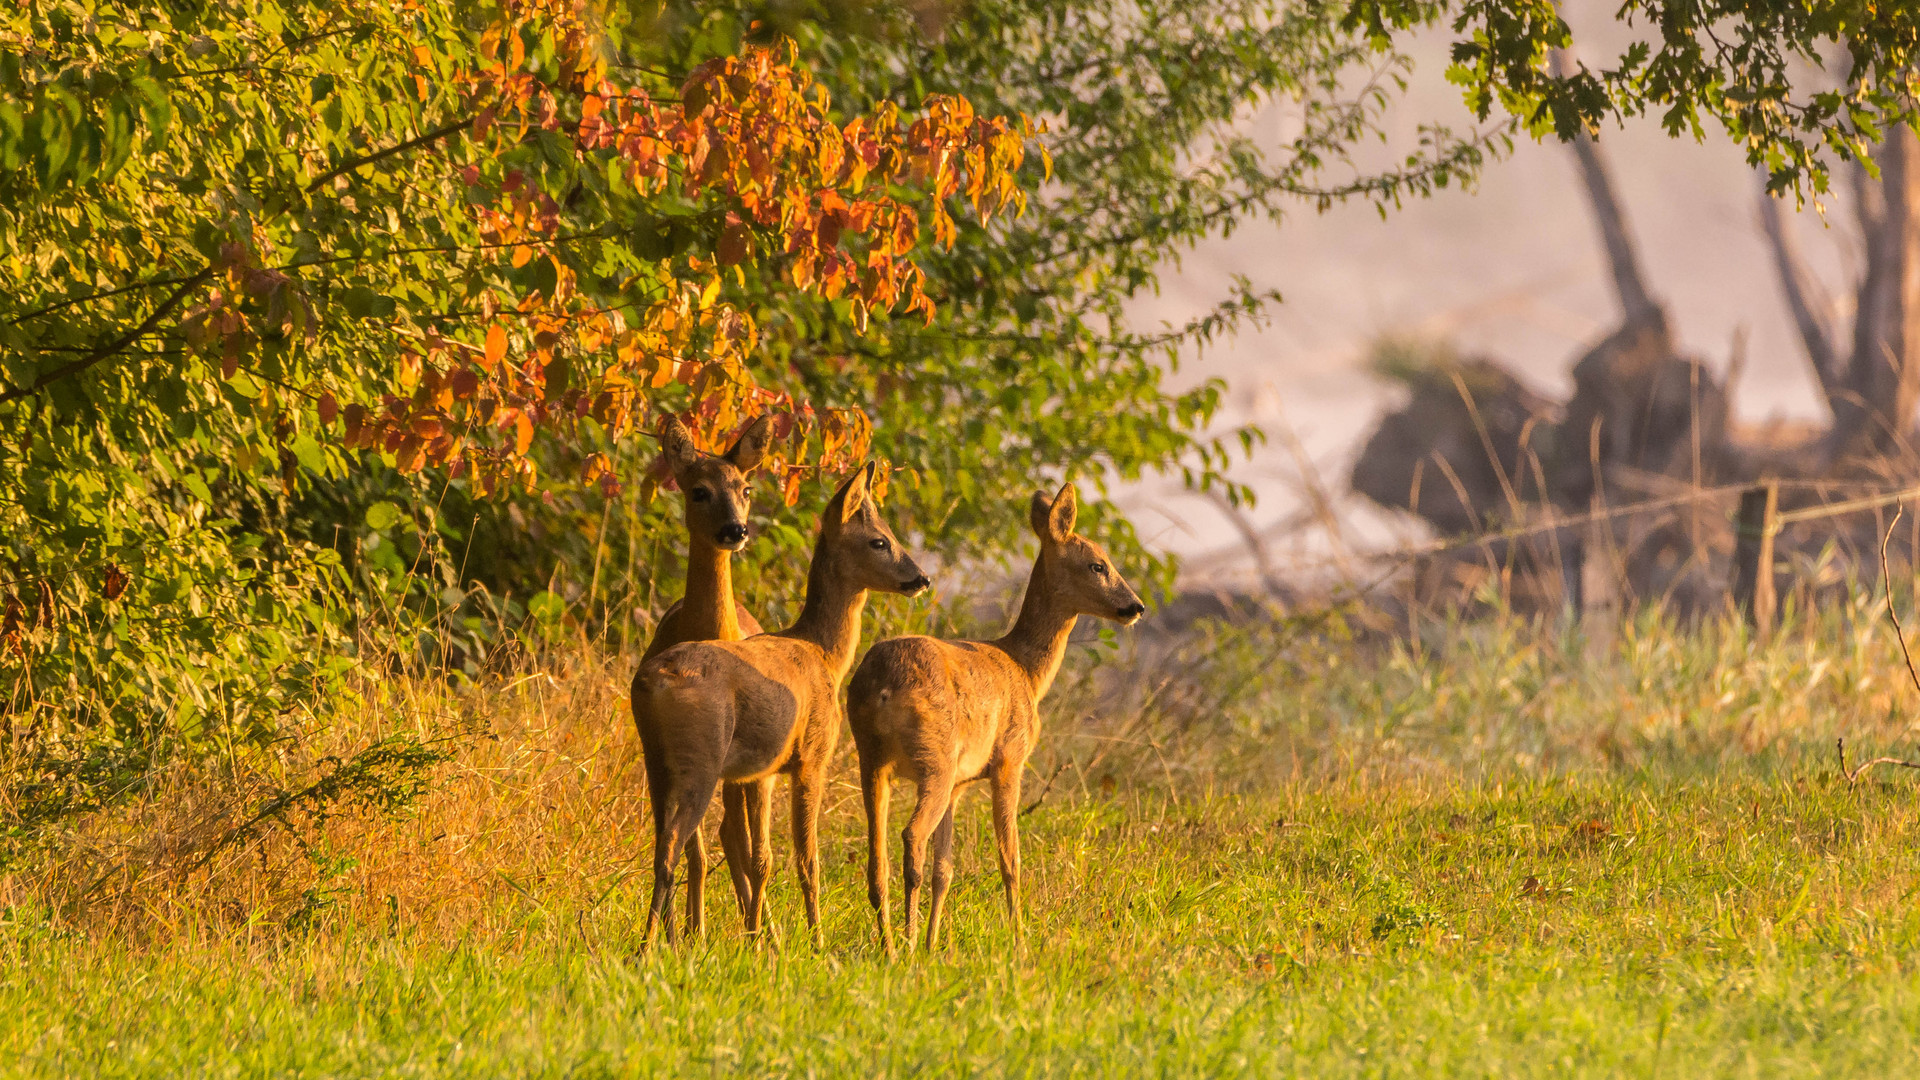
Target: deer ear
{"x":1037,"y":512}
{"x":1061,"y":515}
{"x":851,"y":497}
{"x":752,"y":445}
{"x":676,"y":444}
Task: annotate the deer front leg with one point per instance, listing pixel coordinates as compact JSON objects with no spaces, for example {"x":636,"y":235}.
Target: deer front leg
{"x":1006,"y":830}
{"x":942,"y":874}
{"x":936,"y":792}
{"x":876,"y":787}
{"x":809,"y":785}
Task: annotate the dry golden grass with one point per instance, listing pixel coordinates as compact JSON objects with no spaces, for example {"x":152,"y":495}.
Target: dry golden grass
{"x":541,"y":804}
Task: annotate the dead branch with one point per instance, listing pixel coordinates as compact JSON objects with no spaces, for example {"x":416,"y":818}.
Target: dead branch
{"x":1809,"y":303}
{"x":1900,"y":635}
{"x":1841,"y":745}
{"x":1886,"y":580}
{"x":1636,"y":303}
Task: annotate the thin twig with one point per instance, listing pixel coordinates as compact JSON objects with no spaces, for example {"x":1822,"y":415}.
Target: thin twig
{"x":1886,"y":581}
{"x":1900,"y":635}
{"x":1841,"y":746}
{"x":1042,"y":797}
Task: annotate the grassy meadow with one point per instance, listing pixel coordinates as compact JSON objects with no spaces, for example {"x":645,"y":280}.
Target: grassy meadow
{"x":1498,"y":850}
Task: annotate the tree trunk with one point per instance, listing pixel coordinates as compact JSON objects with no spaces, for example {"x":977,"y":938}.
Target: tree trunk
{"x":1874,"y":412}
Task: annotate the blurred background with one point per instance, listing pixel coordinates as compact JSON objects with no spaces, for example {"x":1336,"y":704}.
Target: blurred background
{"x":1512,"y":269}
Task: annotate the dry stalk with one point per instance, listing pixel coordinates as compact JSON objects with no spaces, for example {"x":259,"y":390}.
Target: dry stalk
{"x":1900,"y":635}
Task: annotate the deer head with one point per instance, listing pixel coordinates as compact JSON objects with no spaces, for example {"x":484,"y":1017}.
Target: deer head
{"x":862,"y":549}
{"x":1077,"y":571}
{"x":714,"y":487}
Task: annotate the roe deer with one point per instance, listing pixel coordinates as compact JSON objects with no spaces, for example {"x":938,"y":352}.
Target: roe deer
{"x":713,"y":491}
{"x":947,"y":713}
{"x":743,"y":711}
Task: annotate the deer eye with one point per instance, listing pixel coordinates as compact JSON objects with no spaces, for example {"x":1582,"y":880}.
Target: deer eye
{"x":699,"y":494}
{"x":1099,"y":569}
{"x":878,"y":543}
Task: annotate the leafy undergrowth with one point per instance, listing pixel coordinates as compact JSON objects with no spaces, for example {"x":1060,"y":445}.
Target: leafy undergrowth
{"x":1501,"y":857}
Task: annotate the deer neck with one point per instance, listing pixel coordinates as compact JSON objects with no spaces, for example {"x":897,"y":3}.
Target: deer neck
{"x":708,"y":605}
{"x":1038,"y":640}
{"x":830,"y":616}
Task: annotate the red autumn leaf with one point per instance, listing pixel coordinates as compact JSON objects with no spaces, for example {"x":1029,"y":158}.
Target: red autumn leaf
{"x":328,"y":408}
{"x":736,"y":244}
{"x":115,"y":583}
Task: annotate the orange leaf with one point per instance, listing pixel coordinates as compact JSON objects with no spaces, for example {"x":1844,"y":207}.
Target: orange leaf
{"x":496,"y":344}
{"x":522,"y":433}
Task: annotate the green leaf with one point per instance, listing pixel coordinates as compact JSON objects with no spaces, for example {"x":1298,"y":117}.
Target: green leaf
{"x":363,"y":303}
{"x":311,"y":457}
{"x":193,"y":483}
{"x":546,"y":607}
{"x":382,"y":515}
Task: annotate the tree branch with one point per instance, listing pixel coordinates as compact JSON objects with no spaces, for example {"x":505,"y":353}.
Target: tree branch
{"x":380,"y":155}
{"x":1812,"y":308}
{"x":188,"y":284}
{"x":75,"y":367}
{"x":150,"y":283}
{"x":1636,"y":303}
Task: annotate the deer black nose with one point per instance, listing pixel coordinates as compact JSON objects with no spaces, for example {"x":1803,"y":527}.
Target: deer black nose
{"x":914,"y":586}
{"x":1133,"y":610}
{"x":731,"y":534}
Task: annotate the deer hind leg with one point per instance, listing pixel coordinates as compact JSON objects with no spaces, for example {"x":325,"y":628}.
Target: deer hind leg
{"x":696,"y":880}
{"x":876,"y":788}
{"x":663,"y":854}
{"x":1006,"y":830}
{"x":942,"y":874}
{"x":759,"y":801}
{"x":936,"y":794}
{"x":677,"y":818}
{"x":736,"y":842}
{"x":809,"y":789}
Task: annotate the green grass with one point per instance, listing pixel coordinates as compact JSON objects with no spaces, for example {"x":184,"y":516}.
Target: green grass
{"x":1604,"y":923}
